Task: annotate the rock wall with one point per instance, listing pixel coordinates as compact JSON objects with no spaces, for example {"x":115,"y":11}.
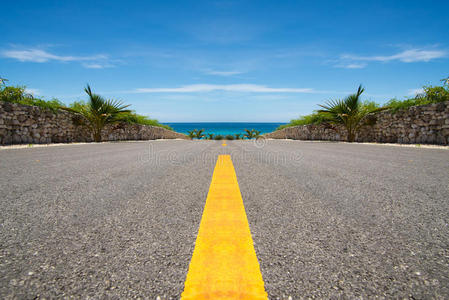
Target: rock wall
{"x":426,"y":124}
{"x":23,"y":124}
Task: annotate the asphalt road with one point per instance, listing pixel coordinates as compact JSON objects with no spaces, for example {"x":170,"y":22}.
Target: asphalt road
{"x":329,"y":220}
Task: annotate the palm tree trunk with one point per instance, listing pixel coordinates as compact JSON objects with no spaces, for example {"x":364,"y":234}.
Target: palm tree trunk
{"x":351,"y":136}
{"x":97,"y":135}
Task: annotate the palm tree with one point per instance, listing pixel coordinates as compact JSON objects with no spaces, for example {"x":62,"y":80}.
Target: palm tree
{"x":200,"y":134}
{"x":98,"y":112}
{"x":192,"y":134}
{"x":238,"y":136}
{"x":349,"y":111}
{"x":251,"y":134}
{"x":195,"y":133}
{"x":210,"y":136}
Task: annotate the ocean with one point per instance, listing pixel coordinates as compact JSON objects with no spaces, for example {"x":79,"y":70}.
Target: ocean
{"x":223,"y":128}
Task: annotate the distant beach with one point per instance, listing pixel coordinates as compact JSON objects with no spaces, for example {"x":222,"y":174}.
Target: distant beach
{"x":224,"y":128}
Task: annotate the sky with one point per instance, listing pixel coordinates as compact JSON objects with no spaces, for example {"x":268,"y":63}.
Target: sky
{"x":219,"y":61}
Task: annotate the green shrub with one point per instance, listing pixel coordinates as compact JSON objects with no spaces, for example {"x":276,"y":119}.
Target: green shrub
{"x":435,"y":94}
{"x":218,"y":137}
{"x":431,"y":94}
{"x":17,"y":94}
{"x":133,"y":118}
{"x":396,"y":104}
{"x":314,"y":118}
{"x":229,"y":137}
{"x":129,"y":117}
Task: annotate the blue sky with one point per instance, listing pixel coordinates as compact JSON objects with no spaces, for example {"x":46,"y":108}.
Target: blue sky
{"x":265,"y":61}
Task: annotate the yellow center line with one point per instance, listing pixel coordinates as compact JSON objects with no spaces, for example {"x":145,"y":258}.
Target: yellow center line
{"x":224,"y":264}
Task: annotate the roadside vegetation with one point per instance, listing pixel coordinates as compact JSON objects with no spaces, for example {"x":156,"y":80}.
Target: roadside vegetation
{"x":199,"y":134}
{"x":19,"y":94}
{"x":251,"y":134}
{"x":196,"y":134}
{"x":86,"y":110}
{"x":430,"y":94}
{"x":349,"y":112}
{"x":352,"y":112}
{"x":98,"y":112}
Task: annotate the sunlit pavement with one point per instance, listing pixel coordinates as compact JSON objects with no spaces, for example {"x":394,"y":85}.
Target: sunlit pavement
{"x":326,"y":219}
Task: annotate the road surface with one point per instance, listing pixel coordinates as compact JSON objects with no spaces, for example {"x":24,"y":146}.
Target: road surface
{"x":120,"y":220}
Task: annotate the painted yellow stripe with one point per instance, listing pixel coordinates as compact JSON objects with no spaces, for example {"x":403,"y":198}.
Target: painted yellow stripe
{"x":224,"y":264}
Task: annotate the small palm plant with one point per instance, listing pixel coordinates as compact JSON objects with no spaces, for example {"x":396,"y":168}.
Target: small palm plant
{"x":191,"y":134}
{"x":210,"y":136}
{"x":349,"y":111}
{"x":238,"y":136}
{"x":98,"y":112}
{"x":251,"y":134}
{"x":199,"y":134}
{"x":195,"y":133}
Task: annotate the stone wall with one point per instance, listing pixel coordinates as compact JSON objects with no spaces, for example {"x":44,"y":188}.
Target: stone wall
{"x":23,"y":124}
{"x":426,"y":124}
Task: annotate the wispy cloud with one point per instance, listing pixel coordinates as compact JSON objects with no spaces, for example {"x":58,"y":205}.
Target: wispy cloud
{"x":97,"y":65}
{"x":407,"y":56}
{"x":36,"y":55}
{"x":352,"y":66}
{"x":223,"y":73}
{"x":414,"y":92}
{"x":196,"y":88}
{"x":40,"y":56}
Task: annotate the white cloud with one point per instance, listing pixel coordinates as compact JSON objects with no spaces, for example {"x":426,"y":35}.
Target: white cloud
{"x":32,"y":91}
{"x":407,"y":56}
{"x":414,"y":92}
{"x":41,"y":56}
{"x":352,"y":66}
{"x":96,"y":65}
{"x":224,"y":73}
{"x":195,"y":88}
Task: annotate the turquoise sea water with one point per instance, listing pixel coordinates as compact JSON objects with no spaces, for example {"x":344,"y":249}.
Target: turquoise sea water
{"x":224,"y":128}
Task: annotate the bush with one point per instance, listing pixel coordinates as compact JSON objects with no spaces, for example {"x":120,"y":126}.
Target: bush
{"x":130,"y":118}
{"x":435,"y":94}
{"x":431,"y":94}
{"x":314,"y":118}
{"x":218,"y":137}
{"x":17,"y":94}
{"x":396,"y":104}
{"x":133,"y":118}
{"x":229,"y":137}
